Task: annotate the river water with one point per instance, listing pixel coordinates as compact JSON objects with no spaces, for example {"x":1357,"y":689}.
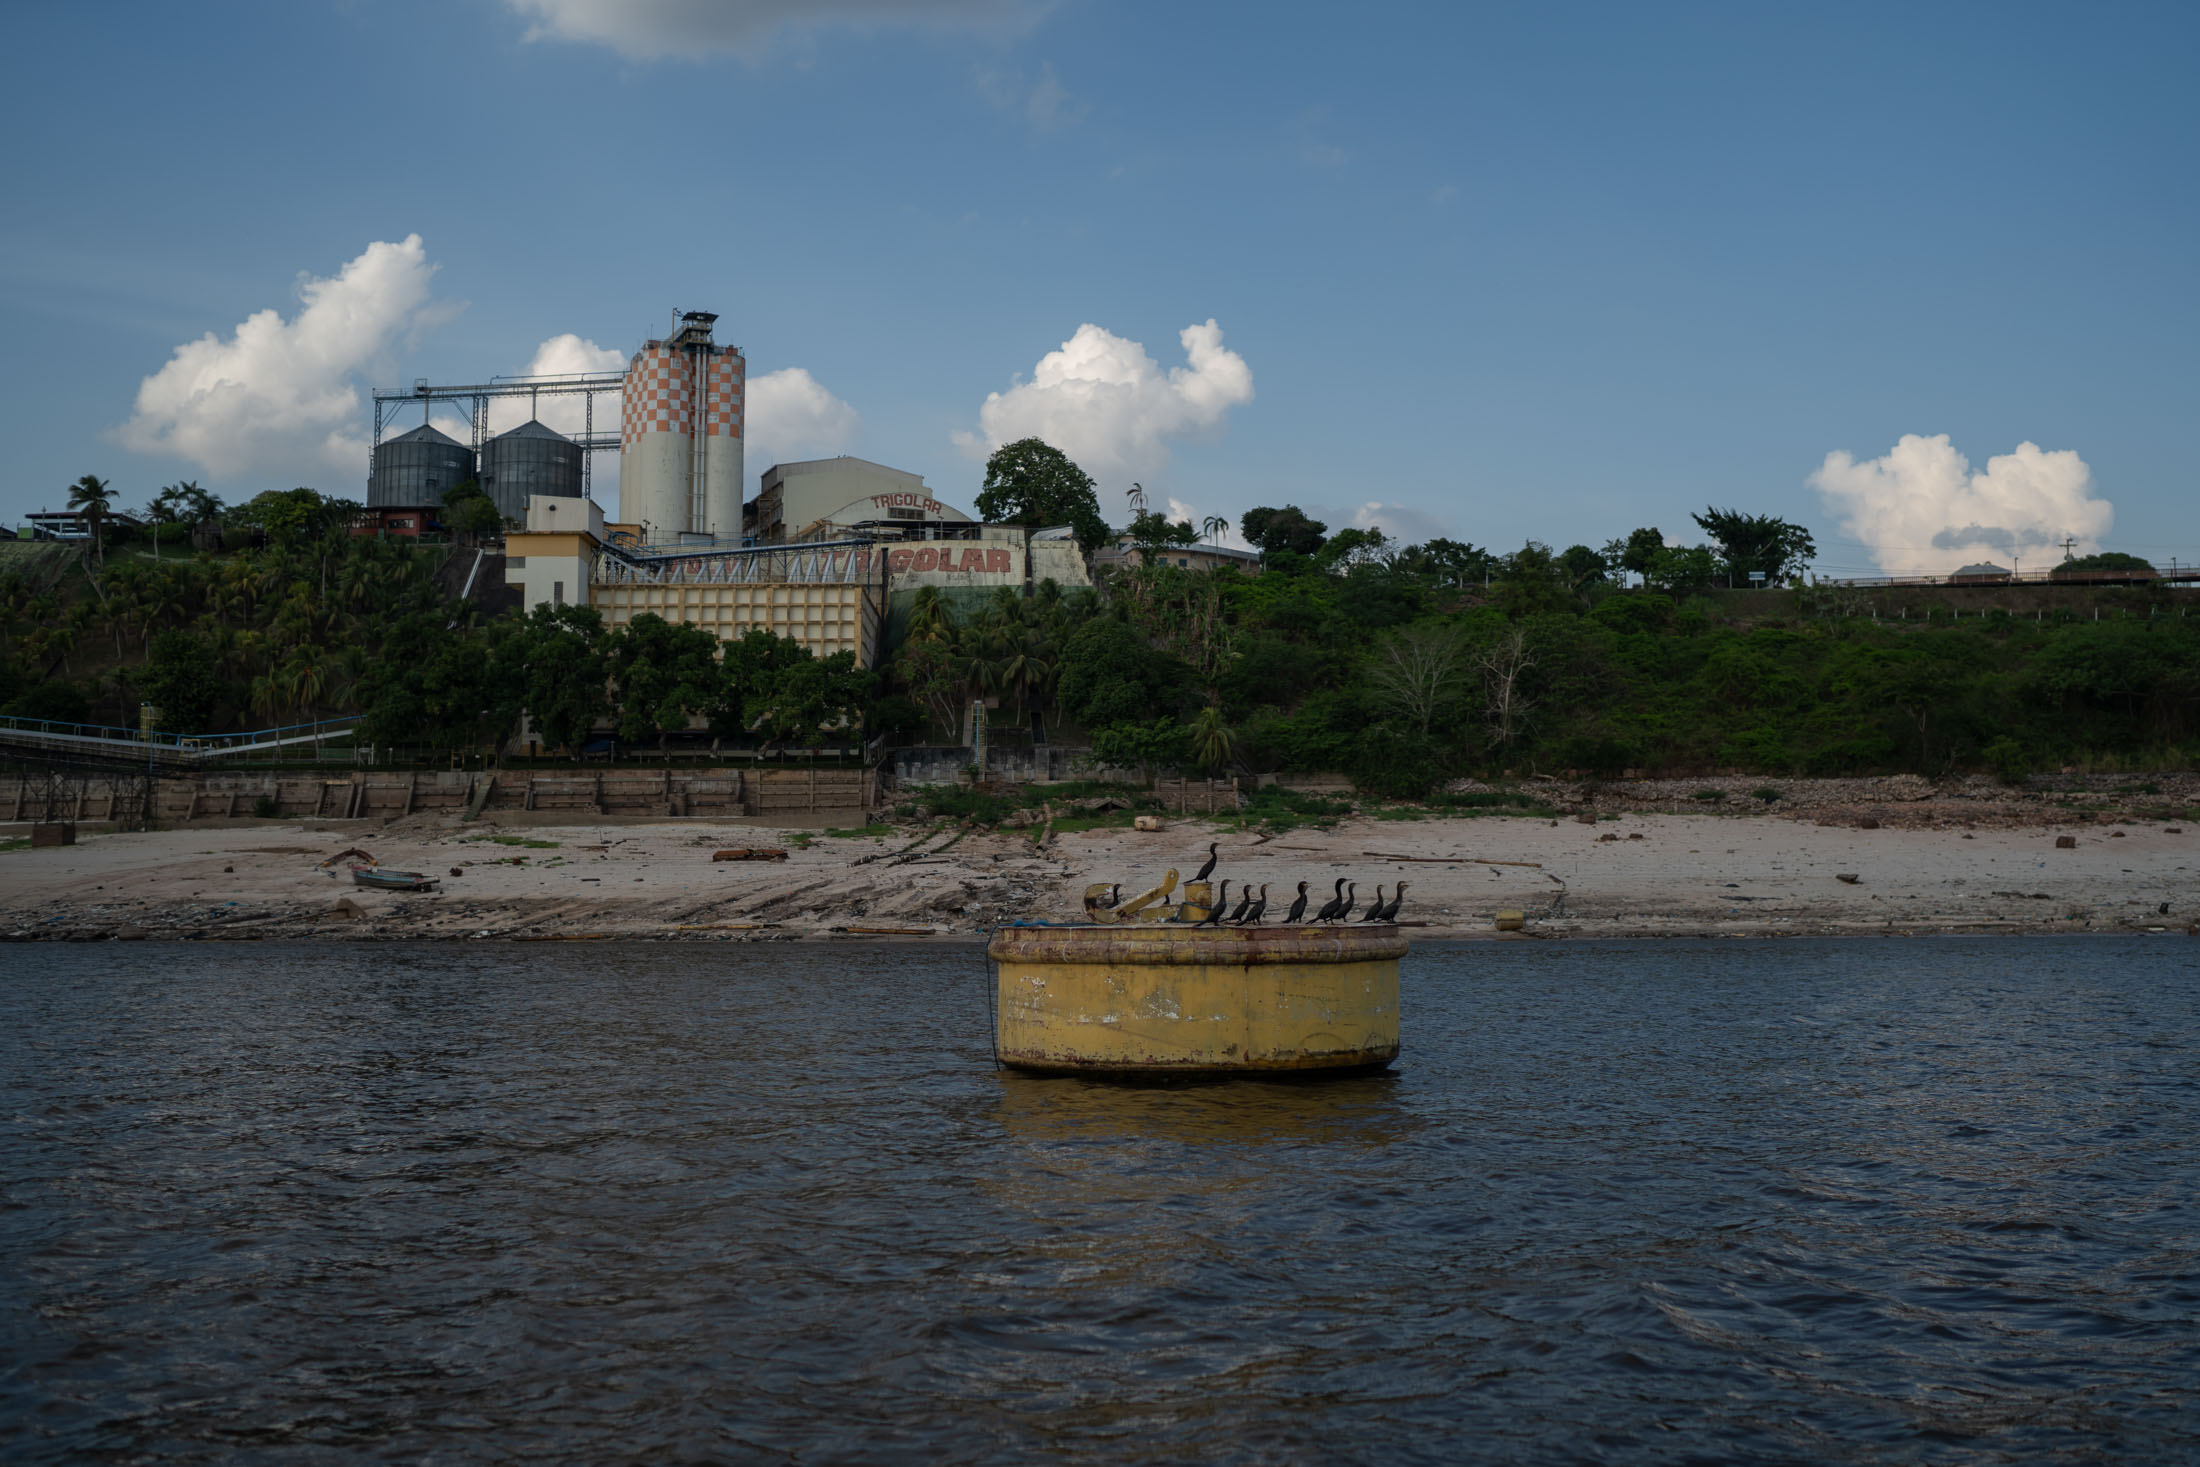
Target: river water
{"x":1657,"y":1202}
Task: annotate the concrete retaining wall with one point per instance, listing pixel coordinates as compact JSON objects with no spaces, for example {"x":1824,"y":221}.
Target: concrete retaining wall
{"x":370,"y":796}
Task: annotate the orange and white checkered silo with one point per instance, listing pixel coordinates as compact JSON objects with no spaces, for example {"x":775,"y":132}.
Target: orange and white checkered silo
{"x":657,"y":442}
{"x":725,"y":395}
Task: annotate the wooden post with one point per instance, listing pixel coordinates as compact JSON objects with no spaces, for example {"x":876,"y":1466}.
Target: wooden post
{"x":595,"y":797}
{"x":528,"y":802}
{"x":412,"y":789}
{"x":813,"y":786}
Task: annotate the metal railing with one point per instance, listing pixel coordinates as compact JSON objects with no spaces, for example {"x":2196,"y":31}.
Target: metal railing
{"x":163,"y":745}
{"x":2175,"y":574}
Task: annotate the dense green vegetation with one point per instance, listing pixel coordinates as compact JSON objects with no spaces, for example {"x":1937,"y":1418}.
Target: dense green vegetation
{"x":1401,"y":665}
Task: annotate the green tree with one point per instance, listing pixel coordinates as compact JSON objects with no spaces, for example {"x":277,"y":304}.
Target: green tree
{"x":1153,"y":531}
{"x":556,"y":661}
{"x":1682,"y":567}
{"x":2105,"y":560}
{"x":470,"y":514}
{"x":1352,"y":547}
{"x":1455,"y":562}
{"x":815,"y":699}
{"x":1582,"y":566}
{"x":443,"y":686}
{"x":290,"y":517}
{"x":1752,"y":542}
{"x":1112,"y":675}
{"x":1641,"y":551}
{"x":1269,"y":530}
{"x":752,"y":666}
{"x":662,"y":675}
{"x":1030,"y":482}
{"x":182,"y":679}
{"x":1147,"y":747}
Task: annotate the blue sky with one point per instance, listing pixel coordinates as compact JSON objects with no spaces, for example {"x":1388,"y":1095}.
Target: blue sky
{"x":1498,"y":272}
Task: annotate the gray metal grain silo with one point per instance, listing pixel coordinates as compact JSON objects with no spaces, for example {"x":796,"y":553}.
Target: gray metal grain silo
{"x":419,"y":467}
{"x":531,"y":459}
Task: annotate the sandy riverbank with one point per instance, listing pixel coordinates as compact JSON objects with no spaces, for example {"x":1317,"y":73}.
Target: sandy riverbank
{"x":1640,"y":874}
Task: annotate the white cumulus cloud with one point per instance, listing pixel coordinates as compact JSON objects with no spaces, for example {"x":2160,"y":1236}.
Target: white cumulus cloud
{"x":646,"y":30}
{"x":278,"y":397}
{"x":791,"y":416}
{"x":1108,"y":405}
{"x":1921,"y":509}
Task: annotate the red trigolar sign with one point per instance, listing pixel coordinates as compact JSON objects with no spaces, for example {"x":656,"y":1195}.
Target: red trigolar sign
{"x":966,"y":559}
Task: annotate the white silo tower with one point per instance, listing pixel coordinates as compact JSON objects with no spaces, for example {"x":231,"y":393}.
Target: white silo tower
{"x":681,"y":423}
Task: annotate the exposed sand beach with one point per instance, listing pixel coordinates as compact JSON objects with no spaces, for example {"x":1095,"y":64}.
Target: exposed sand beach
{"x":1633,"y":874}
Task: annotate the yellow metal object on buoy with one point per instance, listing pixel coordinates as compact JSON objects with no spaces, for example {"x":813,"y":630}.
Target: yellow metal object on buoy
{"x":1172,"y":999}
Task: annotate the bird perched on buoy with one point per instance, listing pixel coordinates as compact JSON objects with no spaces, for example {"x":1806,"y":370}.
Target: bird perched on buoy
{"x":1209,"y":869}
{"x":1333,"y":906}
{"x":1245,"y":903}
{"x":1390,"y":913}
{"x":1298,"y":908}
{"x":1375,"y":907}
{"x":1252,"y":918}
{"x":1351,"y":900}
{"x":1214,"y":913}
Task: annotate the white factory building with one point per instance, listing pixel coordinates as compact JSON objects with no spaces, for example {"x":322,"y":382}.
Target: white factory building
{"x":829,"y":551}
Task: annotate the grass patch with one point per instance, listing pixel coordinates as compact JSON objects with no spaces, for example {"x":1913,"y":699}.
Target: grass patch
{"x":1274,"y":808}
{"x":1711,"y":797}
{"x":1491,"y":802}
{"x":1763,"y":792}
{"x":987,"y":807}
{"x":14,"y":843}
{"x":801,"y":840}
{"x":517,"y":840}
{"x":861,"y":832}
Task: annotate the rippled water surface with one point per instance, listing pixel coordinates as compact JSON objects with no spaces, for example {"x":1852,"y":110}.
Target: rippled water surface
{"x":1626,"y":1202}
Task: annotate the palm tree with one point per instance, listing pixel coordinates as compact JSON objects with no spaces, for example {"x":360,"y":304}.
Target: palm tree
{"x":930,"y":618}
{"x":1211,"y":528}
{"x":165,"y":509}
{"x":91,"y":499}
{"x":201,"y":506}
{"x":1212,"y":742}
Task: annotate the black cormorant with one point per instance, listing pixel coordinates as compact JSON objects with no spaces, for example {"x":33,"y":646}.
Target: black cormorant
{"x":1298,"y":908}
{"x":1334,"y":905}
{"x":1207,"y":870}
{"x":1214,"y":913}
{"x":1375,"y":907}
{"x":1245,"y":903}
{"x":1252,"y":918}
